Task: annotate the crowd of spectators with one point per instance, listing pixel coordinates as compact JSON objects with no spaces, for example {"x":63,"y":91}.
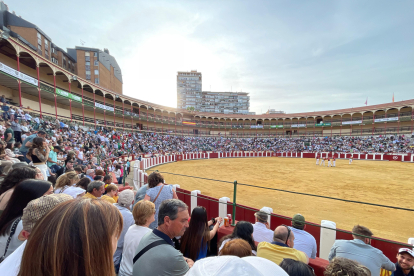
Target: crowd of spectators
{"x":65,"y":211}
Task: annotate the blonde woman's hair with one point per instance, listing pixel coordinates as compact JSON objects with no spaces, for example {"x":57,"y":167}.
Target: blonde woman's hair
{"x":143,"y":209}
{"x":111,"y":187}
{"x":66,"y":179}
{"x":73,"y":239}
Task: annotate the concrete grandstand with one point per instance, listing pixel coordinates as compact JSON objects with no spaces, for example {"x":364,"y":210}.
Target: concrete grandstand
{"x":30,"y":80}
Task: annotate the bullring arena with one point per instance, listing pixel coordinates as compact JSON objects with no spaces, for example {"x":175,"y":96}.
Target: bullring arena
{"x":380,"y":182}
{"x":42,"y":81}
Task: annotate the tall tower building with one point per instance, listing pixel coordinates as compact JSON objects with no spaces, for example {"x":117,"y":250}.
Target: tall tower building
{"x":189,"y":86}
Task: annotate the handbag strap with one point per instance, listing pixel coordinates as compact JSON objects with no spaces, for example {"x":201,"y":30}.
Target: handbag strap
{"x":148,"y":247}
{"x":12,"y":231}
{"x":158,"y":193}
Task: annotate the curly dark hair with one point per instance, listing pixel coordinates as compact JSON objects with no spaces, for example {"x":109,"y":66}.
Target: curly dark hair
{"x":154,"y":179}
{"x":346,"y":267}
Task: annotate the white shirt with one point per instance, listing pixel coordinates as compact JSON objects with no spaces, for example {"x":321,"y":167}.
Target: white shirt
{"x":304,"y":242}
{"x":11,"y":265}
{"x":261,"y":233}
{"x":14,"y":242}
{"x":27,"y":117}
{"x":131,"y":241}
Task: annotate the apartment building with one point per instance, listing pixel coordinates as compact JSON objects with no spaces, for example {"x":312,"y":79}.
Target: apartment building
{"x":190,"y":95}
{"x":98,"y":66}
{"x":188,"y":85}
{"x":223,"y":102}
{"x":90,"y":63}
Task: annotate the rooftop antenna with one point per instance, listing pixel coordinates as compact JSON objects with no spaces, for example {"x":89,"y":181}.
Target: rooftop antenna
{"x":82,"y":42}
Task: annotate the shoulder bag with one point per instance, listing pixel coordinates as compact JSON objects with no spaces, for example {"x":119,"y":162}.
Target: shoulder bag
{"x":12,"y":231}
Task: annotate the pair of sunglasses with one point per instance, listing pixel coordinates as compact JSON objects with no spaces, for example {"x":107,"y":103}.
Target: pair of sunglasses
{"x":287,"y":227}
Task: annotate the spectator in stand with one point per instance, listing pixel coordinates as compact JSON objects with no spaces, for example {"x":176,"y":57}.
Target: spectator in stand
{"x":11,"y":156}
{"x":346,"y":267}
{"x":107,"y":180}
{"x":9,"y":134}
{"x":405,"y":263}
{"x":15,"y":176}
{"x":158,"y":192}
{"x":33,"y":212}
{"x":98,"y":178}
{"x":281,"y":247}
{"x":243,"y":230}
{"x":261,"y":231}
{"x":118,"y":174}
{"x":237,"y":247}
{"x":126,"y":198}
{"x":83,"y":183}
{"x":163,"y":258}
{"x":144,"y":215}
{"x":5,"y":165}
{"x":95,"y":190}
{"x":15,"y":125}
{"x":81,"y":229}
{"x":52,"y":161}
{"x":27,"y":143}
{"x":66,"y":184}
{"x":90,"y":174}
{"x":10,"y":219}
{"x":38,"y":154}
{"x":304,"y":241}
{"x":67,"y":168}
{"x":111,"y":191}
{"x":196,"y":239}
{"x":359,"y":249}
{"x":28,"y":118}
{"x":297,"y":268}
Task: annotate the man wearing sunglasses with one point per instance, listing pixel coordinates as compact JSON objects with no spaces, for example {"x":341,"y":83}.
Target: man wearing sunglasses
{"x":281,"y":247}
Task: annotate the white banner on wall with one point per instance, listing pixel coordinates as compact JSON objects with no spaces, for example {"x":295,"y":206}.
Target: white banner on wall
{"x":298,"y":125}
{"x":104,"y":107}
{"x":352,"y":122}
{"x":14,"y":73}
{"x":386,"y":119}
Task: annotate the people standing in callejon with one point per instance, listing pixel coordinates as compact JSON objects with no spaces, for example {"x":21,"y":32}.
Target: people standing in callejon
{"x":158,"y":192}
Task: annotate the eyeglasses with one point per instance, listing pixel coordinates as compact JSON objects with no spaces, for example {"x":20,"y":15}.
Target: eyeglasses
{"x":287,"y":227}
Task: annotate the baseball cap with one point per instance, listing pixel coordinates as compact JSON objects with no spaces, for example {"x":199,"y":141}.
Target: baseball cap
{"x":58,"y":148}
{"x":298,"y":220}
{"x":232,"y":265}
{"x":406,"y":250}
{"x":261,"y":215}
{"x":39,"y":207}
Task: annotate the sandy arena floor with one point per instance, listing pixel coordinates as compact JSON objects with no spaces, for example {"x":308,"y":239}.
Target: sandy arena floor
{"x":381,"y":182}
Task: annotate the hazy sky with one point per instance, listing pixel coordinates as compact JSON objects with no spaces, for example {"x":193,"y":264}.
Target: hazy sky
{"x":290,"y":55}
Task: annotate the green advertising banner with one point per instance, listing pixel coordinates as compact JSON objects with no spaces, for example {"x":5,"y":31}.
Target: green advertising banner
{"x":323,"y":124}
{"x":278,"y":126}
{"x":68,"y":95}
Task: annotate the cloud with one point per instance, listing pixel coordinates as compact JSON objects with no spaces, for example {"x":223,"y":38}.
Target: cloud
{"x":290,"y":55}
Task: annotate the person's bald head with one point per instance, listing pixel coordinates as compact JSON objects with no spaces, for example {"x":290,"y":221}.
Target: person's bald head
{"x":284,"y":235}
